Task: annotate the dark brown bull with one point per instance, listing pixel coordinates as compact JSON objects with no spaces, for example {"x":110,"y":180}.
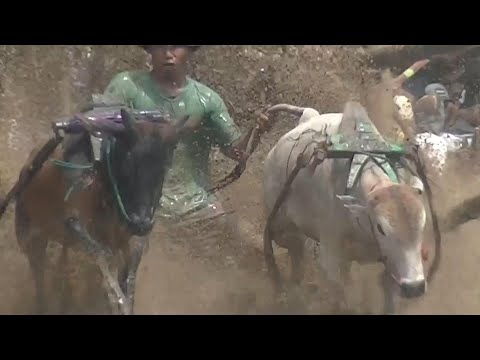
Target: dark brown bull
{"x":424,"y":111}
{"x":118,"y":205}
{"x":471,"y":115}
{"x":430,"y":106}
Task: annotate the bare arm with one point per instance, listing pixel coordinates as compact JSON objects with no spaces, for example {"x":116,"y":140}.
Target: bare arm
{"x":237,"y":150}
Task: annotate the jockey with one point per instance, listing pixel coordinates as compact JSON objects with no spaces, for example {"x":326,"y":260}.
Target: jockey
{"x":167,"y":87}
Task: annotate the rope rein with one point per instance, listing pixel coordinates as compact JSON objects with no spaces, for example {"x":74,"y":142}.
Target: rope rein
{"x":114,"y":183}
{"x":72,"y":166}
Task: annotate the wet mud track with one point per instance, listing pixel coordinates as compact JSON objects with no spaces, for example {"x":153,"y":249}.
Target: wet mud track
{"x":175,"y":277}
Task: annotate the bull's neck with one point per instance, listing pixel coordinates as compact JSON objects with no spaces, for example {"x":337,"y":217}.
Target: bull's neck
{"x":108,"y":174}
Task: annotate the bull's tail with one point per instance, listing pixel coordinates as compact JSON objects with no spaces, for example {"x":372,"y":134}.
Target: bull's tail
{"x":291,"y":109}
{"x":4,"y":202}
{"x":304,"y":113}
{"x":29,"y":171}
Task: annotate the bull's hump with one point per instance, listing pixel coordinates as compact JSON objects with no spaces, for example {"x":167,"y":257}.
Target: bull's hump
{"x":325,"y":124}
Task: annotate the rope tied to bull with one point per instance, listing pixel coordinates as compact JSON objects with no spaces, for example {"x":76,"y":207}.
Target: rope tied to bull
{"x":71,"y":166}
{"x":116,"y":192}
{"x":254,"y":136}
{"x":319,"y":154}
{"x":413,"y":155}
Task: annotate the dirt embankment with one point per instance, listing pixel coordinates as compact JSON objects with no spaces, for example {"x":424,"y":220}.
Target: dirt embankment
{"x":41,"y":83}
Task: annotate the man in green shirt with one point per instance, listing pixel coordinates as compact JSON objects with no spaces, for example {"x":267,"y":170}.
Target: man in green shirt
{"x":167,"y":87}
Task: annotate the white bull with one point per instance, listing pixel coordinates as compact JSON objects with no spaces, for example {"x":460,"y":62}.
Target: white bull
{"x":380,"y":220}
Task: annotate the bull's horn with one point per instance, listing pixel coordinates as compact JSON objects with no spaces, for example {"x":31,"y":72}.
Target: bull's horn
{"x":348,"y":199}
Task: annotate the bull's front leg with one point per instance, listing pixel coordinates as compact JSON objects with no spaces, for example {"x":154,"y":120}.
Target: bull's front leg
{"x":115,"y":294}
{"x":388,"y":293}
{"x":336,"y":269}
{"x":133,"y":255}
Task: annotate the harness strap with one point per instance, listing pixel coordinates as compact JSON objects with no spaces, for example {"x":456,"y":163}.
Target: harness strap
{"x":359,"y":162}
{"x":116,"y":192}
{"x":72,"y":166}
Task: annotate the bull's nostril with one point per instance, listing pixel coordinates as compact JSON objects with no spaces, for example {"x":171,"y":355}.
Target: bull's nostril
{"x":142,"y":222}
{"x":414,"y":289}
{"x":424,"y":254}
{"x":145,"y":222}
{"x":135,"y":218}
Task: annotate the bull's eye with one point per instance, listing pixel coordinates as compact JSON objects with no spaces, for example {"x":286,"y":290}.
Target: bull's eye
{"x":380,"y":230}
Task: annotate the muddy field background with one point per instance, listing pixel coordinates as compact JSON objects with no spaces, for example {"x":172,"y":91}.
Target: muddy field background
{"x":41,"y":83}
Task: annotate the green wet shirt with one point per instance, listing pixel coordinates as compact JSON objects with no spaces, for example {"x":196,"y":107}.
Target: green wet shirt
{"x":187,"y":181}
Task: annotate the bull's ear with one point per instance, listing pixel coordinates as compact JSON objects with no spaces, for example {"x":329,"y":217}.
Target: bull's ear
{"x":351,"y":203}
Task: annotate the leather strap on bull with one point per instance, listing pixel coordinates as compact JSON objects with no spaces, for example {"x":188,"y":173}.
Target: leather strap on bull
{"x":414,"y":156}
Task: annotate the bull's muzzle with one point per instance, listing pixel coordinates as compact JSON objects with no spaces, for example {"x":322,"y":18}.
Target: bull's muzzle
{"x":413,"y":289}
{"x":141,"y":226}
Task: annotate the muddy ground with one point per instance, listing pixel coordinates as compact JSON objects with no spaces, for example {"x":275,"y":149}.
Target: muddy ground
{"x":41,"y":83}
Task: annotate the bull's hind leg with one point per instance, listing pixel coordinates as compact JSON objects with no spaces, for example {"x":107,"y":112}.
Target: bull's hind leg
{"x":288,"y":236}
{"x":36,"y":251}
{"x":273,"y":234}
{"x":66,"y":291}
{"x":34,"y":247}
{"x":296,"y":250}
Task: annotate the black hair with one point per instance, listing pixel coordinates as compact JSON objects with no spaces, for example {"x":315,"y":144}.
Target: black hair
{"x":193,"y":47}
